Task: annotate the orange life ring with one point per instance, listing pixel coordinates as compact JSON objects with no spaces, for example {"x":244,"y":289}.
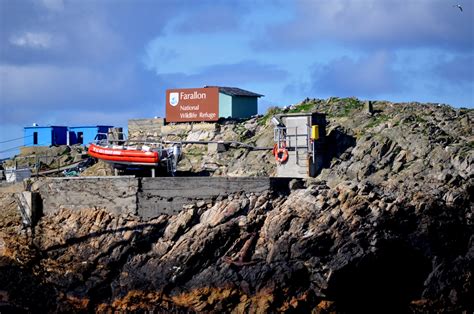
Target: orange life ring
{"x":281,"y":155}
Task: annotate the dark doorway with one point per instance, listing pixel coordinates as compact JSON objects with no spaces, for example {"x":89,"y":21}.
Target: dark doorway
{"x":35,"y":138}
{"x":80,"y":138}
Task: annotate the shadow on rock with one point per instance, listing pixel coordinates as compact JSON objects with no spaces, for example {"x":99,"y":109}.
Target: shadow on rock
{"x":87,"y":237}
{"x":382,"y":282}
{"x":21,"y":291}
{"x":338,"y":141}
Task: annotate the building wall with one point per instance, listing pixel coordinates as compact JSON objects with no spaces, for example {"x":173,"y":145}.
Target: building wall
{"x":88,"y":133}
{"x":225,"y":106}
{"x":46,"y":136}
{"x":244,"y":107}
{"x":59,"y":135}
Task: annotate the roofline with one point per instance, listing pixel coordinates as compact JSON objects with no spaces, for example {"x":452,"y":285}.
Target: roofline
{"x":44,"y":126}
{"x":257,"y":95}
{"x":221,"y":90}
{"x":89,"y":126}
{"x":63,"y":126}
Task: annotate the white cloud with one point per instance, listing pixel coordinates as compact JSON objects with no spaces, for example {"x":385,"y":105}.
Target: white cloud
{"x":53,"y":5}
{"x":38,"y":40}
{"x":374,"y":23}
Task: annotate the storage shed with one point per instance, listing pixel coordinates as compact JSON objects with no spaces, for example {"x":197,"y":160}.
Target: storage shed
{"x":86,"y":134}
{"x":237,"y":103}
{"x":45,"y":135}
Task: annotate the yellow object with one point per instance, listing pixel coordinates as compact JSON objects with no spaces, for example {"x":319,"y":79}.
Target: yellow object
{"x":315,"y":132}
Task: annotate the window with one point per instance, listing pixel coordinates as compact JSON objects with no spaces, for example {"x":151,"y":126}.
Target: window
{"x":80,"y":137}
{"x":35,"y":138}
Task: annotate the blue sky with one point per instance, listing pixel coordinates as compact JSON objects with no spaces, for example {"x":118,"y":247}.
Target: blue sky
{"x":103,"y":62}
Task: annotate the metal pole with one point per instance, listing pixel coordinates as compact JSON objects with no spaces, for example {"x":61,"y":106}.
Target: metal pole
{"x":287,"y":138}
{"x":296,"y":146}
{"x":279,"y":138}
{"x":313,"y":145}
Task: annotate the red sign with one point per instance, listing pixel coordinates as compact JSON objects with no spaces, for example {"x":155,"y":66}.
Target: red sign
{"x":192,"y":104}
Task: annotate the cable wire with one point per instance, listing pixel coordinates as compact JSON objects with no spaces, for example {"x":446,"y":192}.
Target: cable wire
{"x":16,"y":147}
{"x":15,"y":139}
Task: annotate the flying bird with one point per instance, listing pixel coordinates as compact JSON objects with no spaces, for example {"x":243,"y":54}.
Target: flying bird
{"x":458,"y":6}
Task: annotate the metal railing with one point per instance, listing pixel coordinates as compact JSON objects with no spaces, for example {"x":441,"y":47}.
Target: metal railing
{"x":299,"y":142}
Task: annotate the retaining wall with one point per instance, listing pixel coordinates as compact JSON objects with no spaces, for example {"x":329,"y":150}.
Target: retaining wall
{"x":168,"y":195}
{"x":145,"y":197}
{"x":115,"y":194}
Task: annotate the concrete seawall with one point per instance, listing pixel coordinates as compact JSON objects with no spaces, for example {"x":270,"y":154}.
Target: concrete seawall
{"x":144,"y":197}
{"x":115,"y":194}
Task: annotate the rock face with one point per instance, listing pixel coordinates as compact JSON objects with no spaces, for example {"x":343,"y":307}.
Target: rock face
{"x":47,"y":157}
{"x":236,"y":160}
{"x":101,"y":168}
{"x":387,"y":227}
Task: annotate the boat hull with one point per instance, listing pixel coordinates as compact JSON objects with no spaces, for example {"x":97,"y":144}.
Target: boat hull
{"x":123,"y":156}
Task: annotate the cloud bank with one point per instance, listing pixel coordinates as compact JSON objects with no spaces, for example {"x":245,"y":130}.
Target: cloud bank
{"x":106,"y":61}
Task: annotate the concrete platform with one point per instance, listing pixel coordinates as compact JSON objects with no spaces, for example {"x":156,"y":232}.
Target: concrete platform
{"x":145,"y":197}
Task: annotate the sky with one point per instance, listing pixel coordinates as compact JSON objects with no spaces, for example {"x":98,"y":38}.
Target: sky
{"x":95,"y":62}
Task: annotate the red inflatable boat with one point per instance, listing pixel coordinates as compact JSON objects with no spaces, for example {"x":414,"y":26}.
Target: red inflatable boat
{"x":124,"y":155}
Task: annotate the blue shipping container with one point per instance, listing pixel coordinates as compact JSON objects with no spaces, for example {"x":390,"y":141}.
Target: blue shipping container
{"x":45,"y":135}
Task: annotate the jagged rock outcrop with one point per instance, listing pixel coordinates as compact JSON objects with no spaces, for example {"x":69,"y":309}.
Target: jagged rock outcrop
{"x":387,"y":227}
{"x":47,"y":157}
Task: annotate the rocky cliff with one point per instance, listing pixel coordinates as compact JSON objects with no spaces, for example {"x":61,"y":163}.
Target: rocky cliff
{"x":386,"y":227}
{"x":47,"y":157}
